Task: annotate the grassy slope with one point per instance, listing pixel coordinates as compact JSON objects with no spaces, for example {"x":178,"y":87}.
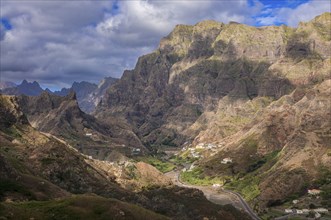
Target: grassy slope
{"x":158,"y":164}
{"x":76,"y":207}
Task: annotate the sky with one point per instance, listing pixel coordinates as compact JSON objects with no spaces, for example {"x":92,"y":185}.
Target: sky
{"x":59,"y":42}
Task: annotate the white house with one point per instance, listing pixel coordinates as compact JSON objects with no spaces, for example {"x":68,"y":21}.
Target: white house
{"x":299,"y":211}
{"x":210,"y":146}
{"x":88,"y":134}
{"x":226,"y":160}
{"x":136,"y":151}
{"x":314,"y":191}
{"x":295,"y":201}
{"x":200,"y":146}
{"x":288,"y":211}
{"x":216,"y":185}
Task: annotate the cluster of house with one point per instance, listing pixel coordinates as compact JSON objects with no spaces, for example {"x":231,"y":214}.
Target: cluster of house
{"x":201,"y":146}
{"x":317,"y":211}
{"x":194,"y":153}
{"x":135,"y":151}
{"x":208,"y":146}
{"x":226,"y":160}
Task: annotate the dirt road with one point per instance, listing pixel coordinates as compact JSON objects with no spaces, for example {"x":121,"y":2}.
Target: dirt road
{"x":217,"y":196}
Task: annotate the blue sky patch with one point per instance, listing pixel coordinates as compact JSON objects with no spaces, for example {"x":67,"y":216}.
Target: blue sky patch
{"x":114,"y":10}
{"x":5,"y":22}
{"x":283,"y":3}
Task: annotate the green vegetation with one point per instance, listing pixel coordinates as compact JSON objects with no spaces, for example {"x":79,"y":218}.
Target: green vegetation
{"x":159,"y":164}
{"x":248,"y":187}
{"x":196,"y":177}
{"x":326,"y":195}
{"x":47,"y":160}
{"x":250,"y":143}
{"x":76,"y":207}
{"x":182,"y":159}
{"x":271,"y":214}
{"x":131,"y":171}
{"x":14,"y":187}
{"x":268,"y":158}
{"x":12,"y":131}
{"x":324,"y":177}
{"x":168,"y":141}
{"x":324,"y":183}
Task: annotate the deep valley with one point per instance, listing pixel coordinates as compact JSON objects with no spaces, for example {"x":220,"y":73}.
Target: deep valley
{"x":221,"y":121}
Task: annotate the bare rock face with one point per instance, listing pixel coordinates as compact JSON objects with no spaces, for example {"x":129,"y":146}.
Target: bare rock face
{"x":36,"y":166}
{"x":283,"y":150}
{"x":259,"y":94}
{"x":88,"y":94}
{"x":61,"y":116}
{"x":196,"y":67}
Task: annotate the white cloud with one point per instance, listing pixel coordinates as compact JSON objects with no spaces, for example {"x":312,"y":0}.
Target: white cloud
{"x":304,"y":12}
{"x":58,"y":42}
{"x":64,"y":41}
{"x":292,"y":16}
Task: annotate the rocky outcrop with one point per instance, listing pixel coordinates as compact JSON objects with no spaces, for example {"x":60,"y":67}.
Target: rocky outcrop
{"x":197,"y":67}
{"x":61,"y":116}
{"x":35,"y":166}
{"x":283,"y":149}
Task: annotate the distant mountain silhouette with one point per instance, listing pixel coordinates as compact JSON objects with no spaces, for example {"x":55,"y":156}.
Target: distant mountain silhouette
{"x":25,"y":88}
{"x":88,"y":94}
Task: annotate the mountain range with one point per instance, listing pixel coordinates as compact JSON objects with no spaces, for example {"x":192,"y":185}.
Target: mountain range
{"x":43,"y":177}
{"x":257,"y":93}
{"x":88,"y":94}
{"x":245,"y":108}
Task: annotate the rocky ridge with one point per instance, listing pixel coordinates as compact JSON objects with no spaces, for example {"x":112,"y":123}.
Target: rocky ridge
{"x":248,"y":91}
{"x":36,"y":166}
{"x":62,"y":117}
{"x":197,"y":67}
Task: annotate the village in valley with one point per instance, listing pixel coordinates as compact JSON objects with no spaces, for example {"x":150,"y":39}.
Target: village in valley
{"x":307,"y":207}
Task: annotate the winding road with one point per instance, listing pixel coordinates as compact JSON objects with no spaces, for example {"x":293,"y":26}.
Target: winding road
{"x":219,"y":196}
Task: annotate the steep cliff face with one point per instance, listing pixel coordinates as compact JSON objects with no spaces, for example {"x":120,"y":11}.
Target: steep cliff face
{"x":39,"y":167}
{"x":61,"y":116}
{"x":259,"y":95}
{"x":201,"y":69}
{"x":282,"y":151}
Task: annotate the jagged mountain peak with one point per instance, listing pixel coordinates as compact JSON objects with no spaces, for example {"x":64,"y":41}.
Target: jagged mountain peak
{"x":72,"y":95}
{"x":26,"y":88}
{"x":193,"y":69}
{"x":324,"y":18}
